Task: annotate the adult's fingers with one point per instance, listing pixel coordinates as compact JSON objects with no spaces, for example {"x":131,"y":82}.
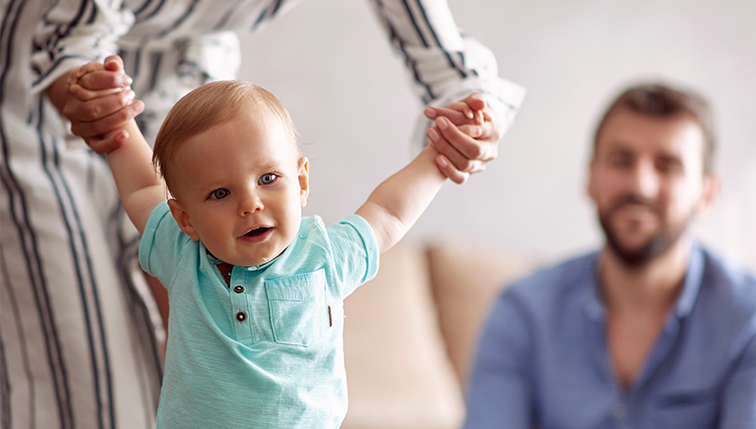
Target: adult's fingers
{"x":104,"y":79}
{"x":490,"y":132}
{"x":107,"y":123}
{"x":446,"y":139}
{"x":475,"y":101}
{"x":485,"y":128}
{"x":83,"y":94}
{"x":480,"y":110}
{"x":469,"y":110}
{"x":78,"y":72}
{"x":112,"y":141}
{"x":113,"y":63}
{"x":472,"y":149}
{"x":447,"y":169}
{"x":456,"y":116}
{"x":77,"y":110}
{"x":474,"y":131}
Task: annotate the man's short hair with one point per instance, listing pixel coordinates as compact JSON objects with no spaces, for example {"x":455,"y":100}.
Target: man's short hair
{"x":209,"y":105}
{"x":660,"y":101}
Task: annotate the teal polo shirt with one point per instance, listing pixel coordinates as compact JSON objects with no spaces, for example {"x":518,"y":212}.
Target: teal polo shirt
{"x":266,"y":352}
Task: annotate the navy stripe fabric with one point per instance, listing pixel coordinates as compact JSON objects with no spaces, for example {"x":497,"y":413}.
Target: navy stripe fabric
{"x":77,"y":243}
{"x":179,"y":21}
{"x":408,"y":60}
{"x":276,"y":7}
{"x":45,"y":163}
{"x":4,"y":389}
{"x":260,"y":18}
{"x":92,"y":16}
{"x":414,"y":23}
{"x":448,"y":55}
{"x":222,"y":23}
{"x":97,"y":322}
{"x":65,"y":29}
{"x":24,"y":351}
{"x":17,"y":201}
{"x":140,"y":17}
{"x":156,"y":59}
{"x":59,"y":60}
{"x":137,"y":62}
{"x":138,"y":11}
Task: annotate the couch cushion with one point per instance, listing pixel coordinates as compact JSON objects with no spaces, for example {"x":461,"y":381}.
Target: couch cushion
{"x":466,"y":279}
{"x":398,"y":373}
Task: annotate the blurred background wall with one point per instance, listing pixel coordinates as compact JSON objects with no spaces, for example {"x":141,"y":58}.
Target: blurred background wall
{"x":331,"y":65}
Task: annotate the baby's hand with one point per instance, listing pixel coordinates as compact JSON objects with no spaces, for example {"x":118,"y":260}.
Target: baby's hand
{"x":94,"y":80}
{"x":465,"y":136}
{"x":477,"y":115}
{"x":100,"y":102}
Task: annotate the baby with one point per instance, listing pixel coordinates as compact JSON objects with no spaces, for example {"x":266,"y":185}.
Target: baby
{"x":256,"y":290}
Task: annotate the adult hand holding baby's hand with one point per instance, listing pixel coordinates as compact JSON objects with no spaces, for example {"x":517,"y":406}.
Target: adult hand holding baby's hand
{"x":99,"y":102}
{"x":466,"y":136}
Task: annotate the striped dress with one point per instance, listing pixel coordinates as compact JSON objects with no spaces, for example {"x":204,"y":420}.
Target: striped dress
{"x":78,"y":327}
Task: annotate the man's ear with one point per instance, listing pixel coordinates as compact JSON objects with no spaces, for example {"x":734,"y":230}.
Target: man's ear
{"x":709,"y":192}
{"x":592,"y":191}
{"x":182,"y":218}
{"x":303,"y":167}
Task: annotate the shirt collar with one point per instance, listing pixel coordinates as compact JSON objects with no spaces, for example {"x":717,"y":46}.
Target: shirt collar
{"x":215,"y":261}
{"x":692,"y":283}
{"x":593,"y":305}
{"x":591,"y":293}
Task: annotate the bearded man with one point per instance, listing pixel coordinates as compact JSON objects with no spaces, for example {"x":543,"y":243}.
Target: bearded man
{"x":653,"y":330}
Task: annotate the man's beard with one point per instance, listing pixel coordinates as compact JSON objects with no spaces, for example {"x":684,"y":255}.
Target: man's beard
{"x":654,"y":247}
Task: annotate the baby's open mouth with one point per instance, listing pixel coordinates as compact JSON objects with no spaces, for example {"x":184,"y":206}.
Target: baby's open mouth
{"x":256,"y":232}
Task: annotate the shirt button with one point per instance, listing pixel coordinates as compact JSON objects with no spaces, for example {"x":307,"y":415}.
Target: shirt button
{"x":228,"y":274}
{"x":240,"y":316}
{"x":238,"y":289}
{"x":620,"y":411}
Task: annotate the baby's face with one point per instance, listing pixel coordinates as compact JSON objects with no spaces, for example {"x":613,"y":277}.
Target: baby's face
{"x":241,"y":187}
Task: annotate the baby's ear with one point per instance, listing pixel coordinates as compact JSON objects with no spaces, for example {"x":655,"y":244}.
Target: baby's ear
{"x":182,"y":218}
{"x":303,"y":167}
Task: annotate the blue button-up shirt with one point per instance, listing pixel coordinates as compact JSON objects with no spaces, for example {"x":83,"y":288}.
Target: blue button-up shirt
{"x":543,"y":359}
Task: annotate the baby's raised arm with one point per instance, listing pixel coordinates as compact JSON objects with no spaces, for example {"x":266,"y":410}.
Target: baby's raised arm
{"x":139,"y":187}
{"x":397,"y":203}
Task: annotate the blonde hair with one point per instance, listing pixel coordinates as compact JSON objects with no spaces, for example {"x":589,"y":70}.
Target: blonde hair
{"x":209,"y":105}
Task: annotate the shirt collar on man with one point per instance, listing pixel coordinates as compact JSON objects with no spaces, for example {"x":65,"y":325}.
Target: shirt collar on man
{"x":593,"y":305}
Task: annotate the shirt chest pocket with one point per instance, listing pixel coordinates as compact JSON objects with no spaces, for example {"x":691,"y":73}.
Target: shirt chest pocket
{"x":298,"y":308}
{"x":688,"y":409}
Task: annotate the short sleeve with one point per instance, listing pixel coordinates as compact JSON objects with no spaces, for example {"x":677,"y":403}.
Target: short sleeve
{"x":160,"y":250}
{"x":355,"y":252}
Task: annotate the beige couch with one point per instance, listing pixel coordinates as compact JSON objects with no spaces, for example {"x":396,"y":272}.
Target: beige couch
{"x":410,"y":333}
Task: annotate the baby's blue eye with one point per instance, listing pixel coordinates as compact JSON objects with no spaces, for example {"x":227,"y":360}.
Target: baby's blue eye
{"x":268,"y":178}
{"x":219,"y":194}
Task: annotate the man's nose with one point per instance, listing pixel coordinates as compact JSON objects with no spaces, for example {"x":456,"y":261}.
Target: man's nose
{"x":250,"y":202}
{"x":645,"y":180}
